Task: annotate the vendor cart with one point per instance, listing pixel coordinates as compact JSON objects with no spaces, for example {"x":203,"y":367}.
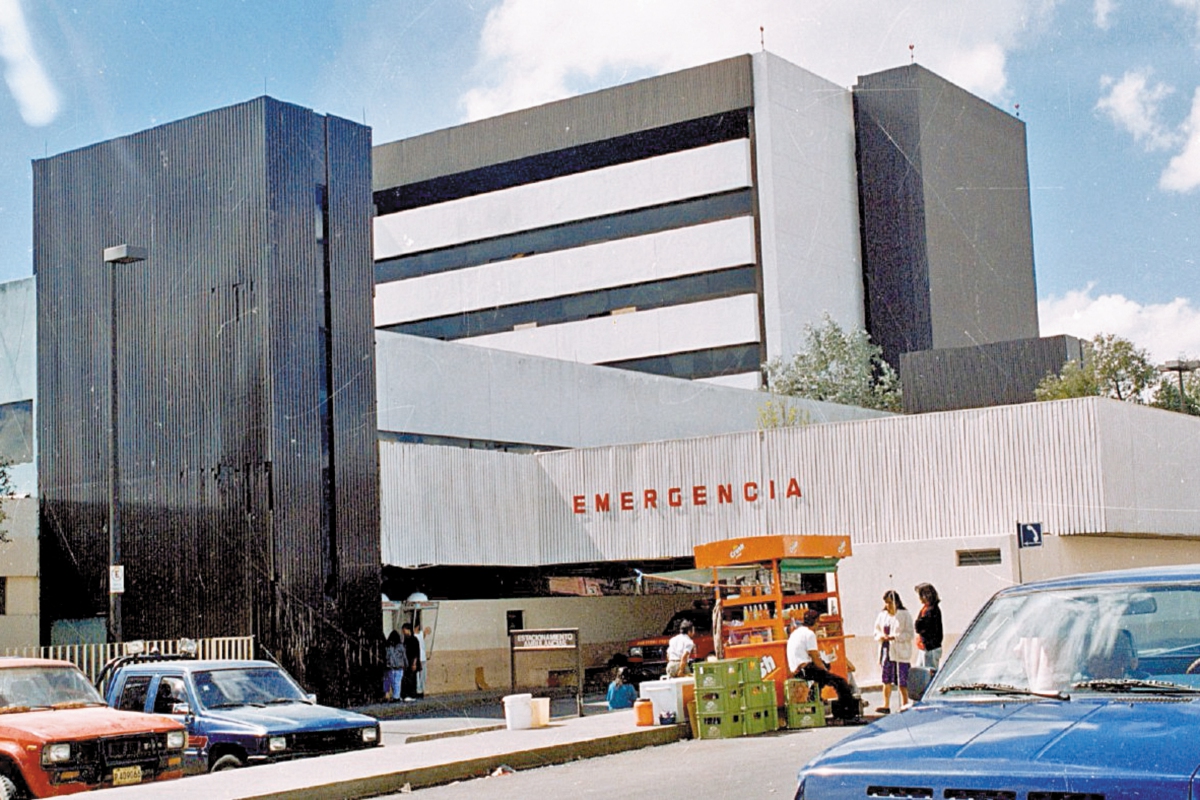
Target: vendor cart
{"x":760,"y":610}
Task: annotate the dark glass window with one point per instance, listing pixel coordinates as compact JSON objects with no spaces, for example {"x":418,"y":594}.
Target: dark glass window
{"x":470,"y":444}
{"x":711,"y":363}
{"x":133,"y":693}
{"x":636,"y":146}
{"x":572,"y":308}
{"x":654,"y":219}
{"x":16,"y":432}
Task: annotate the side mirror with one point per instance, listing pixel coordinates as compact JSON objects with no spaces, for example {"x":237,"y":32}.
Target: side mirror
{"x":181,"y":708}
{"x":310,"y":698}
{"x":918,"y":681}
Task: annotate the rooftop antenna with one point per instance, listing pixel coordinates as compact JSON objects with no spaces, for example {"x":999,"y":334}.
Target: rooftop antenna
{"x":762,"y":38}
{"x":911,"y":55}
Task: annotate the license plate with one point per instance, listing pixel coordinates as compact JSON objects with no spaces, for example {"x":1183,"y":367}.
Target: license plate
{"x":123,"y":776}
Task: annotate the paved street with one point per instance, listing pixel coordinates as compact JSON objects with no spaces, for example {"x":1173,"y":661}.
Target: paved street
{"x":758,"y":766}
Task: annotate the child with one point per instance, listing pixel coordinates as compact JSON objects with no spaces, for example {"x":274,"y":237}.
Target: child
{"x":620,"y":693}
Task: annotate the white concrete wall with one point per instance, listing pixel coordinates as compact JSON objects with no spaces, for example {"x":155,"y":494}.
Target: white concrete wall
{"x":19,"y":568}
{"x":449,"y":389}
{"x":639,"y":184}
{"x":808,"y":201}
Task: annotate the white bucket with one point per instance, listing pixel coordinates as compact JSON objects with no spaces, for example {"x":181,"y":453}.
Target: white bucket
{"x":541,"y":712}
{"x":518,"y":711}
{"x":663,"y":696}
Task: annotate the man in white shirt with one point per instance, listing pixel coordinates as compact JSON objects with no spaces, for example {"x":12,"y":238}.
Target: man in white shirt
{"x":805,"y":661}
{"x":680,"y":650}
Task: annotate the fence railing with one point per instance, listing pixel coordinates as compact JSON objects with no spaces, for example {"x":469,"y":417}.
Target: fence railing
{"x":91,"y":658}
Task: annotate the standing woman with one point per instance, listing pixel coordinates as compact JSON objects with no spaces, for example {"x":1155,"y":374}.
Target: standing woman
{"x":929,"y":627}
{"x":894,"y":632}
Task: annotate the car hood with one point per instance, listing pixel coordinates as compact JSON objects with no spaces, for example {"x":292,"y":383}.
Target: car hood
{"x":80,"y":723}
{"x":292,"y":717}
{"x":1042,"y":744}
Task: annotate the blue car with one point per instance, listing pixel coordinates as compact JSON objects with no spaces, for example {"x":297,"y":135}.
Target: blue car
{"x":1081,"y":688}
{"x":238,"y":712}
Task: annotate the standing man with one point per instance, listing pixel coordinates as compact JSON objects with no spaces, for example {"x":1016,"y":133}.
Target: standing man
{"x":412,"y":652}
{"x":804,"y":661}
{"x":680,"y":650}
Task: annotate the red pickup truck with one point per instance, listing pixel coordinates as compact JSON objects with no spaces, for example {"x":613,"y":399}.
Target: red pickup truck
{"x":647,"y":657}
{"x":57,"y":735}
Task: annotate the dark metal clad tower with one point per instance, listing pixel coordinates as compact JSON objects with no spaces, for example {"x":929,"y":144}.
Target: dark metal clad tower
{"x":246,"y":491}
{"x":946,"y":226}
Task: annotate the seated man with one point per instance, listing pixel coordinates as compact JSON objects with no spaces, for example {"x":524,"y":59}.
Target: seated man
{"x":1118,"y":661}
{"x":805,"y":661}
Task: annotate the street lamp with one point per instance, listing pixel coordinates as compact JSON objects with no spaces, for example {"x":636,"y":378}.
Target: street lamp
{"x":1180,"y":366}
{"x":118,"y":254}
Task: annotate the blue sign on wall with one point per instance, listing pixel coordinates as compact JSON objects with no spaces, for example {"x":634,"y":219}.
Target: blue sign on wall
{"x":1029,"y":534}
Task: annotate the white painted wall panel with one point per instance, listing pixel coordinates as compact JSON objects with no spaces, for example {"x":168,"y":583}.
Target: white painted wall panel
{"x":743,"y":380}
{"x":662,"y":179}
{"x":447,"y":389}
{"x":668,"y":254}
{"x":949,"y":476}
{"x":808,"y":202}
{"x":676,"y":329}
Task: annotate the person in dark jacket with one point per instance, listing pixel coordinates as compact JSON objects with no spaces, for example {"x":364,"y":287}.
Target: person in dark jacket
{"x":929,"y":627}
{"x":396,"y":662}
{"x":412,"y":654}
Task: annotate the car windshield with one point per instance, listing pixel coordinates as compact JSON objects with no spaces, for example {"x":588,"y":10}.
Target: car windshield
{"x":246,"y":686}
{"x":45,"y":687}
{"x":1103,"y":638}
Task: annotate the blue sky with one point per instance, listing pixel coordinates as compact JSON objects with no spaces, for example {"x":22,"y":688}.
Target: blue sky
{"x":1109,"y":91}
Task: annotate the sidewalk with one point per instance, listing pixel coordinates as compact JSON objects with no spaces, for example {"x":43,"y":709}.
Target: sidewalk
{"x":424,"y":759}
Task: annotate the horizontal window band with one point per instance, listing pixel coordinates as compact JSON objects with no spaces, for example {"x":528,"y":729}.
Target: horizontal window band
{"x":469,"y":444}
{"x":695,"y":364}
{"x":572,"y":308}
{"x":583,"y":158}
{"x":643,"y":221}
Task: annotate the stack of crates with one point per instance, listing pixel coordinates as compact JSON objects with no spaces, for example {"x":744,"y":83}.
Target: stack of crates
{"x":732,"y":700}
{"x":805,"y":708}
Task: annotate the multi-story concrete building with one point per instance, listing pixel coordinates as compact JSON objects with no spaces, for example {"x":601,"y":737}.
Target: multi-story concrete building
{"x":695,"y":223}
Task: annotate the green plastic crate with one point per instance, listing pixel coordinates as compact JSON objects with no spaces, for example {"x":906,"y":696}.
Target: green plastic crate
{"x":762,"y":720}
{"x":751,"y":669}
{"x":719,"y":701}
{"x":726,"y":674}
{"x":806,"y":715}
{"x":758,"y":695}
{"x":721,"y":726}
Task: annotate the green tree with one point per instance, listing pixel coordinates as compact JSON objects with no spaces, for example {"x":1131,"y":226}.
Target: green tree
{"x":1167,"y":394}
{"x":777,"y":412}
{"x":1112,"y":367}
{"x":836,"y":367}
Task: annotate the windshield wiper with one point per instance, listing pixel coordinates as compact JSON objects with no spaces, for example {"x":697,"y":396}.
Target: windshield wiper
{"x":1003,"y":688}
{"x":1133,"y":684}
{"x":281,"y":700}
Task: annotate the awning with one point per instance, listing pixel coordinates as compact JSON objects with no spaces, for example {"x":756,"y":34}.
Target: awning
{"x":700,"y":577}
{"x":808,"y":566}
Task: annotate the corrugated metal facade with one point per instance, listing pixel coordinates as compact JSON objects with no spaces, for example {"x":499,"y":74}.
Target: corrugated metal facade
{"x":1081,"y":466}
{"x":245,"y":390}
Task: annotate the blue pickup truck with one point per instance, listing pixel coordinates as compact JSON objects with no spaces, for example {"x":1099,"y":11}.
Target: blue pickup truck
{"x":237,"y":712}
{"x":1079,"y":688}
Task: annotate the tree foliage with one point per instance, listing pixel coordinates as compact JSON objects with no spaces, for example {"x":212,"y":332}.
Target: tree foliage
{"x":776,"y":412}
{"x":1111,"y":367}
{"x":1167,"y":394}
{"x":837,"y":367}
{"x":6,"y":490}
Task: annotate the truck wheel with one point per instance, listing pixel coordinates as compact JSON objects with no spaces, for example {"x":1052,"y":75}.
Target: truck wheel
{"x":8,"y":789}
{"x":220,"y":765}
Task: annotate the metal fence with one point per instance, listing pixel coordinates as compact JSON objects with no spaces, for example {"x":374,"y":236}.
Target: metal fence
{"x":91,"y":658}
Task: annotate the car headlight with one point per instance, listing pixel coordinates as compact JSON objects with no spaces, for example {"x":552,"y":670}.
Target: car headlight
{"x":635,"y":652}
{"x":370,"y":734}
{"x":56,"y":753}
{"x":277,"y":744}
{"x":176,"y":740}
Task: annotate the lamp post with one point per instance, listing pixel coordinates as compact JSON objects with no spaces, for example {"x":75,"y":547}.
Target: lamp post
{"x":118,"y":254}
{"x":1179,"y":367}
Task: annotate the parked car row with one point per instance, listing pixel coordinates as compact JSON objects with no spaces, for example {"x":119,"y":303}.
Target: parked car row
{"x":157,"y":719}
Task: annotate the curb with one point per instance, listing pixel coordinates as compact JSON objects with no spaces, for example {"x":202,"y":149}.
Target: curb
{"x":434,"y":775}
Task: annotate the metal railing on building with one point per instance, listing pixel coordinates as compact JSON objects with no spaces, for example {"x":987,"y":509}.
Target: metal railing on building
{"x":91,"y":658}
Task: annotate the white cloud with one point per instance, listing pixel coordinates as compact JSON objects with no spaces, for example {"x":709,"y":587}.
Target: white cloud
{"x":36,"y":97}
{"x":1192,"y":6}
{"x":1183,"y":171}
{"x":1165,"y":330}
{"x":1102,"y":12}
{"x":1135,"y":105}
{"x":534,"y":51}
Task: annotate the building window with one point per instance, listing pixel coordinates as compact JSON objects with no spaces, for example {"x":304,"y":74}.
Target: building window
{"x":16,"y":432}
{"x":978,"y":558}
{"x":3,"y":596}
